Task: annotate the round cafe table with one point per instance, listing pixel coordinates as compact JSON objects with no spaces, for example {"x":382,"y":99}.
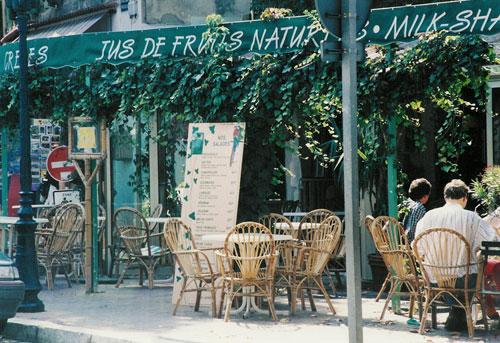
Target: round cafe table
{"x":295,"y":226}
{"x":221,"y":238}
{"x":10,"y":222}
{"x":248,"y":303}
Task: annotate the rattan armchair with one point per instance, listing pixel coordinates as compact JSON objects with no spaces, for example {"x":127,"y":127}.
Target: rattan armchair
{"x":306,"y":227}
{"x":279,"y":224}
{"x":392,"y":244}
{"x":442,"y":265}
{"x":313,"y":259}
{"x":54,"y":250}
{"x":368,"y":222}
{"x":194,"y":264}
{"x":248,"y":264}
{"x":137,"y":240}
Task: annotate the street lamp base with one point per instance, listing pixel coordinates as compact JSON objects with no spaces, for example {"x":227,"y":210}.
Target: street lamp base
{"x":31,"y":304}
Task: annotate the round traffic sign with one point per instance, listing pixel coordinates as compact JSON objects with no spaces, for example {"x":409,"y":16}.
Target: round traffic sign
{"x":58,"y":165}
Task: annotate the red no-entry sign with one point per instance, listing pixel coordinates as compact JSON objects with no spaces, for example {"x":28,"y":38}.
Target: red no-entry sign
{"x":58,"y":165}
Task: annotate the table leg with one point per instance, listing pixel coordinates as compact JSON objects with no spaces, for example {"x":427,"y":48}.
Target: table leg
{"x":255,"y":307}
{"x":434,"y":316}
{"x":11,"y":240}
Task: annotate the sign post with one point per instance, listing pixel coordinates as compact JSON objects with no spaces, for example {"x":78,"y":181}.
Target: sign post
{"x":86,"y":142}
{"x":351,"y":22}
{"x":58,"y":165}
{"x":351,"y":175}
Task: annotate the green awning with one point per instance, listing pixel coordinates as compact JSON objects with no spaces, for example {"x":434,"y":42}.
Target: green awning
{"x":384,"y":26}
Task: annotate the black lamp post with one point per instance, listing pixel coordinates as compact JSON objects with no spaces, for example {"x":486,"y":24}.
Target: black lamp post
{"x":25,"y":251}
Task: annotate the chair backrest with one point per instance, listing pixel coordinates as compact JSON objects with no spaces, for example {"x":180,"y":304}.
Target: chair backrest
{"x":278,"y":224}
{"x":133,"y":230}
{"x":68,"y":225}
{"x":250,"y":246}
{"x":392,"y":244}
{"x":314,"y":217}
{"x":179,"y":239}
{"x":101,"y":223}
{"x":155,"y":213}
{"x":324,"y":242}
{"x":444,"y":255}
{"x":368,"y":222}
{"x":49,"y":214}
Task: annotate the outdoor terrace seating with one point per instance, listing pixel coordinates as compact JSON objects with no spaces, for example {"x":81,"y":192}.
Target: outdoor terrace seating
{"x":391,"y":242}
{"x":56,"y":243}
{"x":137,"y":240}
{"x":313,"y":258}
{"x":248,"y":264}
{"x":194,"y":264}
{"x":446,"y":271}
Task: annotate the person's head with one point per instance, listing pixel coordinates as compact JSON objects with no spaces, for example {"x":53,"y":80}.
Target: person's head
{"x":456,"y":191}
{"x":420,"y":189}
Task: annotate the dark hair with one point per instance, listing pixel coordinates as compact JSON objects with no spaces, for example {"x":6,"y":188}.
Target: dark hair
{"x":455,"y":189}
{"x":419,"y":188}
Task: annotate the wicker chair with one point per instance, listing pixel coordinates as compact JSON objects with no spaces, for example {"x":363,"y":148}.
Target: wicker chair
{"x":368,"y":221}
{"x":392,"y":244}
{"x":136,"y":237}
{"x":248,"y":264}
{"x":279,"y":224}
{"x":337,"y":263}
{"x":311,"y":218}
{"x":191,"y":262}
{"x":56,"y":251}
{"x":305,"y":232}
{"x":441,"y":266}
{"x":313,"y":258}
{"x":155,"y":213}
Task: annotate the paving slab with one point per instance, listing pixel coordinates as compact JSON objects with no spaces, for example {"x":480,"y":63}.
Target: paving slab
{"x":137,"y":314}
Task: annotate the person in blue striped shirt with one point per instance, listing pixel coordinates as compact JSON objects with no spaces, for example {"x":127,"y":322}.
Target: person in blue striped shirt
{"x":420,"y":190}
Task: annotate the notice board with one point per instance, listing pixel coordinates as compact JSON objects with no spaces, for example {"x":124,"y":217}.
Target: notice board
{"x":210,"y":191}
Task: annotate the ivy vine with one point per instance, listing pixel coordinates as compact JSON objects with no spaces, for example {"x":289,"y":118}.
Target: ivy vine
{"x":281,"y":98}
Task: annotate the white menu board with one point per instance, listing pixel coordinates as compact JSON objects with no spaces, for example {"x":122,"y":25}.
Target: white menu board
{"x":211,"y":185}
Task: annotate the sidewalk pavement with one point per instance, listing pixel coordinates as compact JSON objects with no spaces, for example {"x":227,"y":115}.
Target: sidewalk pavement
{"x":137,"y":314}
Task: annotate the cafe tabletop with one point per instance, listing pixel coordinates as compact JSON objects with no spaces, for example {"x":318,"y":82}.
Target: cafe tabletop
{"x":295,"y":226}
{"x":222,"y":237}
{"x":13,"y":220}
{"x":35,"y":206}
{"x":303,"y":214}
{"x":161,"y":220}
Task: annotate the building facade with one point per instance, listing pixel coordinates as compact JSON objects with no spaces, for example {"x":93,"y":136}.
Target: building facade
{"x":63,"y":17}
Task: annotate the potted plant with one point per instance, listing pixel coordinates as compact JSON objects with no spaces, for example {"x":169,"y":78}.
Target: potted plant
{"x":487,"y":189}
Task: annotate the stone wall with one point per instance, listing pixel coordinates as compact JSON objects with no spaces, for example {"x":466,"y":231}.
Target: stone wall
{"x":193,"y":12}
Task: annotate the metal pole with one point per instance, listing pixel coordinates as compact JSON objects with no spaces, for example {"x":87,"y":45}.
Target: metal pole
{"x":88,"y":229}
{"x":95,"y":236}
{"x":5,"y":184}
{"x":489,"y":127}
{"x":351,"y":178}
{"x":392,"y":188}
{"x":25,"y":251}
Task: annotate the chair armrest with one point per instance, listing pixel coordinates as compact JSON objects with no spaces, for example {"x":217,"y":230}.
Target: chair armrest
{"x":198,"y":253}
{"x":303,"y":252}
{"x":159,"y":234}
{"x":211,"y":249}
{"x":133,"y":238}
{"x":44,"y":232}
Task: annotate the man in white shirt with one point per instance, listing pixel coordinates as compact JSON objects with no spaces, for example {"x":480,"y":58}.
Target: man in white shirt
{"x":453,"y":216}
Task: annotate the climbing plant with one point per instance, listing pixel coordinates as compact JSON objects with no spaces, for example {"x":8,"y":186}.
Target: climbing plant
{"x":281,"y":98}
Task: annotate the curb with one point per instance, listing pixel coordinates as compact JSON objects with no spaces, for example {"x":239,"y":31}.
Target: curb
{"x":51,"y":333}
